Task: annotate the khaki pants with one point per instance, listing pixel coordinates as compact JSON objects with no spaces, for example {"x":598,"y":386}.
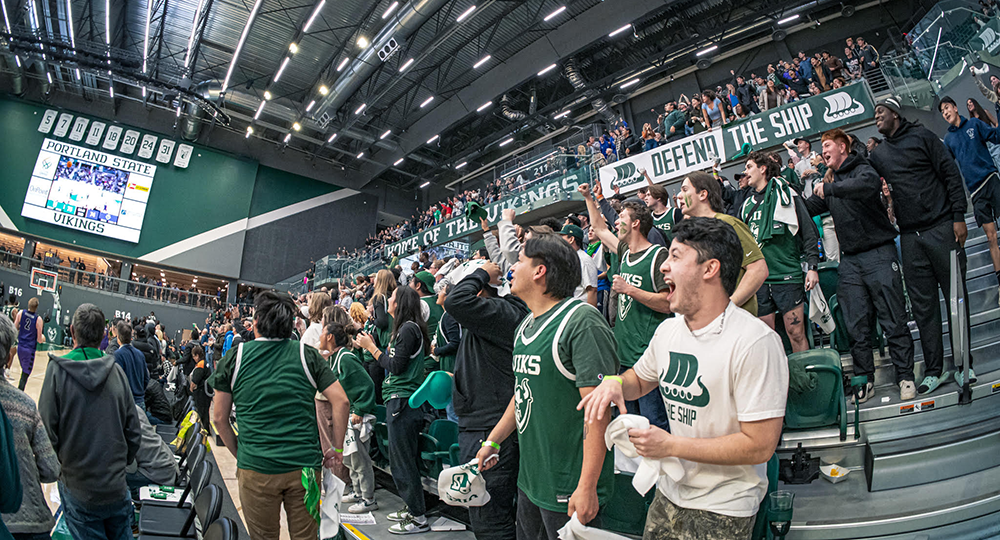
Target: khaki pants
{"x":262,"y":496}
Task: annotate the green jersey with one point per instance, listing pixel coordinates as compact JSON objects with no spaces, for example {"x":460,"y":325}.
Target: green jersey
{"x":273,"y":383}
{"x":781,"y":250}
{"x":637,"y":322}
{"x":567,"y":348}
{"x":445,"y":363}
{"x":432,"y":326}
{"x":8,"y":310}
{"x":355,"y":380}
{"x":665,"y":222}
{"x":405,"y":384}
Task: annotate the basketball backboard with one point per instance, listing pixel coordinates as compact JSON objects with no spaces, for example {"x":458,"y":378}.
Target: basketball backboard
{"x":43,"y":280}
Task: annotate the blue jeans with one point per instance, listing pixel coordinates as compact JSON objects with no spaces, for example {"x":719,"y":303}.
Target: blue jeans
{"x":98,"y":522}
{"x":135,"y":481}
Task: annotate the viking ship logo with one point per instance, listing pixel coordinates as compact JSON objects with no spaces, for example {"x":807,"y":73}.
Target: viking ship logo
{"x":841,"y":106}
{"x":677,"y":382}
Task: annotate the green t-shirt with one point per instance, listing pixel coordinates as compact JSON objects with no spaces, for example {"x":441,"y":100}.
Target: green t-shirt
{"x":84,"y":353}
{"x":404,"y":384}
{"x":274,"y":384}
{"x":637,"y":322}
{"x":355,"y":380}
{"x":546,"y":391}
{"x":751,"y":253}
{"x":781,"y":251}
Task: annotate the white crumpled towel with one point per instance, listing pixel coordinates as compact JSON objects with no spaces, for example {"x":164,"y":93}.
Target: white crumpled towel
{"x":649,"y":470}
{"x":358,"y":432}
{"x":333,"y":487}
{"x":574,"y":530}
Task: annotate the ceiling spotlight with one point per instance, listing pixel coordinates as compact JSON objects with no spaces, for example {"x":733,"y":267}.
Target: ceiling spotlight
{"x":633,"y":82}
{"x":703,"y":52}
{"x":560,"y":115}
{"x":388,"y":11}
{"x":323,"y":90}
{"x":484,"y":106}
{"x":363,"y":42}
{"x":789,"y":19}
{"x":482,"y":61}
{"x":293,"y":47}
{"x":267,"y":95}
{"x":432,"y":139}
{"x":361,"y":108}
{"x":555,"y":13}
{"x":620,"y":30}
{"x":425,"y":184}
{"x":398,"y":161}
{"x":343,"y":64}
{"x":427,"y":102}
{"x":386,"y":134}
{"x":460,"y":165}
{"x":546,"y":70}
{"x":508,"y":141}
{"x":465,"y":14}
{"x":311,"y":105}
{"x":296,"y":126}
{"x":361,"y":155}
{"x":405,"y":65}
{"x":249,"y":131}
{"x":332,"y":137}
{"x":288,"y":137}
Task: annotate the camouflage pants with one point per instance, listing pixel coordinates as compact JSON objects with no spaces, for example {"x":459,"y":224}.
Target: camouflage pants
{"x":667,"y":521}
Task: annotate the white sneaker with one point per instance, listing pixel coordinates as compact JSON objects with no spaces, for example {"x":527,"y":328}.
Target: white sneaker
{"x":349,"y":497}
{"x":363,"y":506}
{"x":410,"y":526}
{"x":907,"y":391}
{"x":400,"y":515}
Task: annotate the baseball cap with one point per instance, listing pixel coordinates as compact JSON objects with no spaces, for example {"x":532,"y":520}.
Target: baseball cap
{"x":797,"y":139}
{"x":426,"y":278}
{"x":575,"y":232}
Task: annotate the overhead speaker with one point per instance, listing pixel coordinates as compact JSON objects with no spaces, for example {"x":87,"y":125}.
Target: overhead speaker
{"x":847,"y":10}
{"x":387,"y":50}
{"x":779,"y":35}
{"x":566,"y":121}
{"x":619,"y":98}
{"x":703,"y":63}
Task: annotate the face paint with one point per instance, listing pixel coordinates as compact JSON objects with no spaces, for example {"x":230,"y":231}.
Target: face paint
{"x":687,"y":201}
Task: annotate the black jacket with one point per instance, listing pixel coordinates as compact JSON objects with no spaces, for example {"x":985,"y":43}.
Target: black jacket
{"x":156,"y":401}
{"x":854,"y":202}
{"x":152,"y":360}
{"x":927,"y":188}
{"x":484,"y":373}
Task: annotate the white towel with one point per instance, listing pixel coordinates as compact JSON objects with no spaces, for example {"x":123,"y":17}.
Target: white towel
{"x":574,"y":530}
{"x":649,"y":470}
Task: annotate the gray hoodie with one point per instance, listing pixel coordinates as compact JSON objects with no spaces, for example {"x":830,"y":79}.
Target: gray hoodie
{"x":88,"y":412}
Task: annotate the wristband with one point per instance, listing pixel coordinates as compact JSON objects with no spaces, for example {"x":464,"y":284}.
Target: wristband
{"x":491,"y":443}
{"x":615,"y":378}
{"x":338,"y":450}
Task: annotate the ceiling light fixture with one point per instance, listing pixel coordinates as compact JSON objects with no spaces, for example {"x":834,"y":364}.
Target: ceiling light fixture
{"x":288,"y":137}
{"x":484,"y":106}
{"x":312,"y":17}
{"x":49,"y":75}
{"x":386,"y":134}
{"x":405,"y":65}
{"x":145,"y":41}
{"x":178,"y":111}
{"x":111,"y":89}
{"x":427,"y":102}
{"x":343,"y":64}
{"x":425,"y":184}
{"x":789,"y":19}
{"x":633,"y":82}
{"x":555,"y":13}
{"x":260,"y":109}
{"x":560,"y":115}
{"x":363,"y":42}
{"x":703,"y":52}
{"x":432,"y":139}
{"x":296,"y":126}
{"x":6,"y":19}
{"x":398,"y":161}
{"x":323,"y":90}
{"x":482,"y":61}
{"x":107,"y":27}
{"x":508,"y":141}
{"x":460,"y":165}
{"x":293,"y":47}
{"x":332,"y":137}
{"x":239,"y":44}
{"x":284,"y":64}
{"x":249,"y":131}
{"x":361,"y":108}
{"x":465,"y":14}
{"x":361,"y":155}
{"x":311,"y":105}
{"x":194,"y":29}
{"x":267,"y":95}
{"x":620,"y":30}
{"x":388,"y":11}
{"x":546,"y":70}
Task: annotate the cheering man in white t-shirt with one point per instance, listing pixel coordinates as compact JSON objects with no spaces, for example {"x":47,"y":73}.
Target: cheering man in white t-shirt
{"x":723,"y":377}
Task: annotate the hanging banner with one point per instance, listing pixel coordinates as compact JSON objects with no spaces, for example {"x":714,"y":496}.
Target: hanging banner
{"x":988,"y":39}
{"x":805,"y":118}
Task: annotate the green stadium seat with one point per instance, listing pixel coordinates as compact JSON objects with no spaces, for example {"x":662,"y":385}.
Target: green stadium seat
{"x":828,"y":278}
{"x":381,"y":434}
{"x":435,"y":446}
{"x":760,"y":529}
{"x":825,"y":404}
{"x":625,"y":511}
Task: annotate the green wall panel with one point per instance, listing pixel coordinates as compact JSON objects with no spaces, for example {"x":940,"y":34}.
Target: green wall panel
{"x":213,"y":191}
{"x":275,"y":189}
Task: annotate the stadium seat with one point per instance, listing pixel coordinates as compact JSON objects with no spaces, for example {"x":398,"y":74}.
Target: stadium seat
{"x":840,"y":339}
{"x":222,"y":529}
{"x":182,"y":448}
{"x":168,"y":432}
{"x":625,"y":511}
{"x":181,"y":522}
{"x":197,"y":440}
{"x":760,"y":526}
{"x":381,"y":434}
{"x":435,"y":446}
{"x":828,"y":278}
{"x":825,"y":404}
{"x":200,"y":478}
{"x":184,"y":478}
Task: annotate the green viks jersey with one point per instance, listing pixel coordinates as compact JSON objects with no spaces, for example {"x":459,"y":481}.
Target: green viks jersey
{"x":781,"y":250}
{"x":636,"y":322}
{"x":445,"y":363}
{"x":355,"y":380}
{"x":432,"y":323}
{"x":8,"y":310}
{"x":665,"y":222}
{"x":567,"y":348}
{"x":406,"y":383}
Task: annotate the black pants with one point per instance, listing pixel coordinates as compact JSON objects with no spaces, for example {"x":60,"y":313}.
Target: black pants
{"x":534,"y":523}
{"x":377,"y":373}
{"x":870,"y":284}
{"x":495,"y":520}
{"x":24,"y":381}
{"x":405,"y":424}
{"x":927,"y":266}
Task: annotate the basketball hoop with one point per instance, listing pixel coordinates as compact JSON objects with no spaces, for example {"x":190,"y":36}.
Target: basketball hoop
{"x":43,"y":280}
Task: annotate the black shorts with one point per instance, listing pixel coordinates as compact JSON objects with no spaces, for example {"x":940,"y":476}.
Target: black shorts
{"x":986,"y":201}
{"x":779,"y":297}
